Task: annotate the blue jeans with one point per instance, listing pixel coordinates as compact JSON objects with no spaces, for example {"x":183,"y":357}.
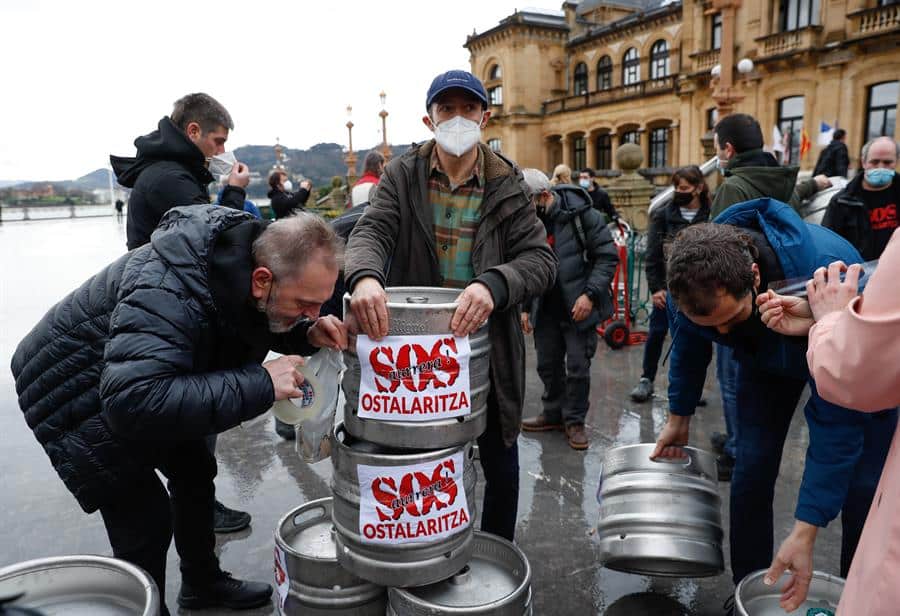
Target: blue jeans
{"x":501,"y":477}
{"x":726,"y":373}
{"x":656,"y":336}
{"x":766,"y":406}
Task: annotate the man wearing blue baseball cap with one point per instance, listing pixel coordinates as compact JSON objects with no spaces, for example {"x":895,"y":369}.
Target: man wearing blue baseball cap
{"x":452,"y":213}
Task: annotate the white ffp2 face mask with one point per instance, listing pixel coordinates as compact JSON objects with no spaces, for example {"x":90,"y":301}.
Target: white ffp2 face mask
{"x":458,"y":135}
{"x":288,"y":186}
{"x":222,"y":164}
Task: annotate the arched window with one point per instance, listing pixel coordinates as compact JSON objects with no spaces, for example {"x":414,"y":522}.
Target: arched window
{"x":659,"y":147}
{"x":631,"y":67}
{"x":881,"y":117}
{"x":790,"y":122}
{"x":580,"y":81}
{"x":631,"y":136}
{"x":604,"y":73}
{"x":495,"y":90}
{"x":659,"y":60}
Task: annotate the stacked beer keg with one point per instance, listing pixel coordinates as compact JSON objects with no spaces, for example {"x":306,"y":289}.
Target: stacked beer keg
{"x":403,"y":507}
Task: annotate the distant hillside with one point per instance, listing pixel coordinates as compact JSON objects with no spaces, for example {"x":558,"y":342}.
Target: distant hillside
{"x":320,"y":163}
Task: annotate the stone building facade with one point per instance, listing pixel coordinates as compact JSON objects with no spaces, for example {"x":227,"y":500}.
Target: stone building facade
{"x":570,"y":86}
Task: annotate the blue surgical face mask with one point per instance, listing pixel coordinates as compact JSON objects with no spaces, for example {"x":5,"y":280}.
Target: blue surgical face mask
{"x":584,"y":183}
{"x":879,"y":176}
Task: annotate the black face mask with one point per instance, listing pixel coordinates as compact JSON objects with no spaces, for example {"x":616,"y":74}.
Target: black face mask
{"x":682,"y":199}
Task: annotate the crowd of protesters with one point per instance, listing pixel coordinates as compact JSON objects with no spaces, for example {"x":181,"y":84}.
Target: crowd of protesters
{"x":183,"y":321}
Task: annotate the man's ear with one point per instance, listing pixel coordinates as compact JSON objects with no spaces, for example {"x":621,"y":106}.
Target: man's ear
{"x":756,"y":277}
{"x":426,"y":120}
{"x":260,"y":282}
{"x":485,"y":118}
{"x":193,"y":131}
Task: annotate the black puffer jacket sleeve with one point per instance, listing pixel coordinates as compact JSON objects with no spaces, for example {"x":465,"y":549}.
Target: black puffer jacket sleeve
{"x":147,"y":390}
{"x":654,"y":262}
{"x":602,"y":253}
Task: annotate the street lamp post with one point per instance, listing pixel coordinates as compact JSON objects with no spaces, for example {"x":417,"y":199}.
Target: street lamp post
{"x":385,"y":148}
{"x":350,"y":159}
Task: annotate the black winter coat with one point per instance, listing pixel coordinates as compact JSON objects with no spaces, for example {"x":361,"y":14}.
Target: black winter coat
{"x":834,"y":160}
{"x":163,"y":345}
{"x":169,"y":170}
{"x":286,"y":203}
{"x":602,"y":203}
{"x":665,"y":223}
{"x":583,"y":269}
{"x":848,"y":216}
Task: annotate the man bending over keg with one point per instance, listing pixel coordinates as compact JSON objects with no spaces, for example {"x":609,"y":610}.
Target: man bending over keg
{"x":130,"y":372}
{"x":715,"y":272}
{"x":452,"y":213}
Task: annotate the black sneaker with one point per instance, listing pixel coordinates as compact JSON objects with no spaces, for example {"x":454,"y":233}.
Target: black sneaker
{"x":725,"y":464}
{"x":227,"y":520}
{"x":718,"y":440}
{"x":643,"y":391}
{"x":225,"y":591}
{"x":285,"y":430}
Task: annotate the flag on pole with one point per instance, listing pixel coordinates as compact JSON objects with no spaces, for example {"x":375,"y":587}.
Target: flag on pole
{"x":826,"y":134}
{"x":805,"y":143}
{"x":777,"y":140}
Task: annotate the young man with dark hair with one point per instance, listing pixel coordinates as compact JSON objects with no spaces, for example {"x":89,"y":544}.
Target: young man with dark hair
{"x":715,"y":272}
{"x":172,"y":169}
{"x":750,"y":172}
{"x":453,"y":213}
{"x":587,"y":179}
{"x":172,"y":165}
{"x":834,"y":160}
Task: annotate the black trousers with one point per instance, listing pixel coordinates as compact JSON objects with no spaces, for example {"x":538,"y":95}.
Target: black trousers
{"x":656,"y":336}
{"x":564,"y":354}
{"x":141,"y":520}
{"x":501,"y":476}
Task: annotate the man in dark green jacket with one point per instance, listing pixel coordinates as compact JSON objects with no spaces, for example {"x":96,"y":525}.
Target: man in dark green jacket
{"x":452,"y":213}
{"x":751,"y":173}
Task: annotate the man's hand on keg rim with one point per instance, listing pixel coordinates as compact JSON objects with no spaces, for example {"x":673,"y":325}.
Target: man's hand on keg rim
{"x":369,"y":305}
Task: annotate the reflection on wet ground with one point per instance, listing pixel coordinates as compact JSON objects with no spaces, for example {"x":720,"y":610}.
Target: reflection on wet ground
{"x":262,"y":474}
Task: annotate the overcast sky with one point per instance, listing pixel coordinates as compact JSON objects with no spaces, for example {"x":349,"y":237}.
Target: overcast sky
{"x":81,"y":79}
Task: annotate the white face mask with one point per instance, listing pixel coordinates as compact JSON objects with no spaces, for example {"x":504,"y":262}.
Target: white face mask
{"x":458,"y":135}
{"x":222,"y":164}
{"x":288,"y":185}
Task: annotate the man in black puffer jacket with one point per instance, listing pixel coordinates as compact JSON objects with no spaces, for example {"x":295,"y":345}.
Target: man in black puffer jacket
{"x":564,"y":318}
{"x":171,"y":167}
{"x":129,"y":373}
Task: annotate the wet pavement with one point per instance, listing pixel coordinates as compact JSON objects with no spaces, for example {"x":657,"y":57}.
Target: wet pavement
{"x":260,"y":473}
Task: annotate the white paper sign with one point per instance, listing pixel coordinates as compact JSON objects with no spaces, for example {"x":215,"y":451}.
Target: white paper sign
{"x":417,"y":503}
{"x":414,"y":378}
{"x":282,"y":581}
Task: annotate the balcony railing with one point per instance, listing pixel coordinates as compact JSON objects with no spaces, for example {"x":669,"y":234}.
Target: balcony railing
{"x":787,"y":43}
{"x":649,"y":87}
{"x":705,"y":60}
{"x":874,"y":21}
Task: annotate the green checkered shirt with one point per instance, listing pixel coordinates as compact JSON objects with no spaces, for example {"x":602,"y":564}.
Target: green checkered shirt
{"x":456,"y":217}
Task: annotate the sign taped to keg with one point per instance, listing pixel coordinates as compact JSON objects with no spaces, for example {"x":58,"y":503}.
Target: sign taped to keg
{"x":414,"y":378}
{"x":415,"y":503}
{"x":282,"y":581}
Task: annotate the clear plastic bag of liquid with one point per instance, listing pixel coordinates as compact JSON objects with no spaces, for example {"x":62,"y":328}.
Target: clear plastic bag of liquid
{"x":796,"y":287}
{"x":312,"y":414}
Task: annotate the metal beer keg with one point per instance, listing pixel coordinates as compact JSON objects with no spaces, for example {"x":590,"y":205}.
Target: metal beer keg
{"x":402,"y":518}
{"x":416,"y":311}
{"x":660,"y":517}
{"x":753,"y":598}
{"x":79,"y":586}
{"x":496,"y":582}
{"x":314,"y":583}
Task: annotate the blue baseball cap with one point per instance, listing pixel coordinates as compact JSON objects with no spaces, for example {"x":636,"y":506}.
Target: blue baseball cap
{"x":456,"y":79}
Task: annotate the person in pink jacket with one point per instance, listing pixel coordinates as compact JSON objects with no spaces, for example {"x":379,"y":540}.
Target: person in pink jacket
{"x":854,"y":357}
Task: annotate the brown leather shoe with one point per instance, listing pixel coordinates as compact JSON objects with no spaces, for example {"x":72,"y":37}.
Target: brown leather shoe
{"x":577,"y":437}
{"x":541,"y":424}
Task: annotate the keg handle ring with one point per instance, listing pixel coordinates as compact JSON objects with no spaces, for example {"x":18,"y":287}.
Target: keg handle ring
{"x":307,"y":516}
{"x":681,"y":463}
